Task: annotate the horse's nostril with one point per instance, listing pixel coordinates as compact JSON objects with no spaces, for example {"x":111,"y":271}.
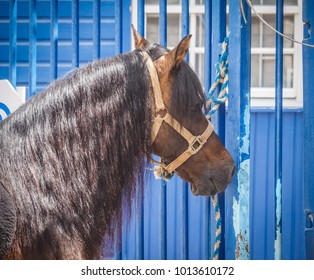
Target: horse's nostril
{"x":233,"y":171}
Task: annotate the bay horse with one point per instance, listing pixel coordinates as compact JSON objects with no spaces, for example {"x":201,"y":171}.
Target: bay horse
{"x":70,"y":152}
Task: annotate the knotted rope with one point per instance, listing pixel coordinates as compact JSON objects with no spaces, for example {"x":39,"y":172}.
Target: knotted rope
{"x":221,"y":78}
{"x":218,"y":228}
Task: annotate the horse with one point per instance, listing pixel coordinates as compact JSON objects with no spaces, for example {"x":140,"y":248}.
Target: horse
{"x":74,"y":155}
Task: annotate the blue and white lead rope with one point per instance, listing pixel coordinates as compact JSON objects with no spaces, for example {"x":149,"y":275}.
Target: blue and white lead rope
{"x":221,"y":78}
{"x":218,"y":228}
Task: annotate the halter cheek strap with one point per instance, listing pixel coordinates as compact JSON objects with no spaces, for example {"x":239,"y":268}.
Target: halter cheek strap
{"x":162,"y":115}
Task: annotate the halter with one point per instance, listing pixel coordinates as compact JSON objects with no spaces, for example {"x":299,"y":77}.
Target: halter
{"x":162,"y":115}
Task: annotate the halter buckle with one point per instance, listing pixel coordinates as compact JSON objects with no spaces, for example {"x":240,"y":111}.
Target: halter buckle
{"x":196,"y":145}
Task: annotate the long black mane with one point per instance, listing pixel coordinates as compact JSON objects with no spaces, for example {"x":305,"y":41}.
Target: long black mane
{"x":70,"y":152}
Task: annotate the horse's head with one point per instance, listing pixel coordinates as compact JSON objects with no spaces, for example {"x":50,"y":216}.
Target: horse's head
{"x":204,"y":162}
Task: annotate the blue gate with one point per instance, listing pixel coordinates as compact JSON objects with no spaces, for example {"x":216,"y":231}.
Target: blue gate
{"x":264,"y":214}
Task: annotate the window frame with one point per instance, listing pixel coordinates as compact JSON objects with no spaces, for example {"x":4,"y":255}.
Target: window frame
{"x":292,"y":97}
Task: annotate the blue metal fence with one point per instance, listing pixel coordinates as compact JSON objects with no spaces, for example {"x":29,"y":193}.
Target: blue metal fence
{"x":308,"y":59}
{"x":238,"y":193}
{"x":278,"y":129}
{"x":54,"y":39}
{"x":13,"y":41}
{"x":32,"y":48}
{"x":183,"y":219}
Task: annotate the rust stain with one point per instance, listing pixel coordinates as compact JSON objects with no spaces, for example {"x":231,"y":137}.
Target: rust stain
{"x":242,"y":247}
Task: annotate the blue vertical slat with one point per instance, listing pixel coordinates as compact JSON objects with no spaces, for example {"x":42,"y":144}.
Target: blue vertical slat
{"x":96,"y":29}
{"x":140,"y":197}
{"x":185,"y":185}
{"x":207,"y":82}
{"x":139,"y":226}
{"x":308,"y":105}
{"x":141,"y":17}
{"x":278,"y":130}
{"x":54,"y":39}
{"x":218,"y":35}
{"x":75,"y":33}
{"x":237,"y":195}
{"x":126,"y":26}
{"x":118,"y":26}
{"x":163,"y":22}
{"x":32,"y":47}
{"x":13,"y":41}
{"x":185,"y":24}
{"x":163,"y":189}
{"x":207,"y":44}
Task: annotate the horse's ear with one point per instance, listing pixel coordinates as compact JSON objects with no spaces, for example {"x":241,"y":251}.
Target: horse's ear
{"x":140,"y":42}
{"x":179,"y":52}
{"x":165,"y":63}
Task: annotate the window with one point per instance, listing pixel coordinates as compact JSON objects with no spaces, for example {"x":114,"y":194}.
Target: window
{"x":263,"y":54}
{"x":196,"y":50}
{"x":263,"y":46}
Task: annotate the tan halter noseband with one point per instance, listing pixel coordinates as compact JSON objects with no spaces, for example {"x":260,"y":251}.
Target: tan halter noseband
{"x":162,"y":115}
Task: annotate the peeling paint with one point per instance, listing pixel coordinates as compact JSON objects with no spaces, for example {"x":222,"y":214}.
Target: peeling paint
{"x":242,"y":248}
{"x":245,"y":137}
{"x":278,"y":237}
{"x":241,"y":205}
{"x":241,"y":212}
